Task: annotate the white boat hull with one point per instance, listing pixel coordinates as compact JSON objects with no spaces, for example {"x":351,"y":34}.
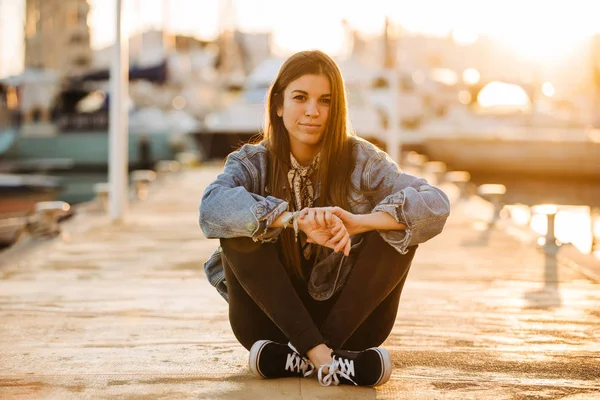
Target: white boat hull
{"x":568,"y":155}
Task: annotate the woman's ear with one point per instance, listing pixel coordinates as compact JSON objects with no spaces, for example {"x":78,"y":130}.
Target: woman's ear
{"x":279,"y":112}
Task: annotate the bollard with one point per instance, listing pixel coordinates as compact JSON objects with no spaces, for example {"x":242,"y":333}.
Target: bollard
{"x":101,"y":190}
{"x":164,"y":167}
{"x":461,"y":179}
{"x":494,"y":193}
{"x":45,"y":219}
{"x":437,"y":169}
{"x":187,"y":159}
{"x":550,"y":210}
{"x":141,"y":181}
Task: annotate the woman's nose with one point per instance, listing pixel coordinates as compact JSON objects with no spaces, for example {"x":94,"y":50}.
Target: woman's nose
{"x":311,"y":110}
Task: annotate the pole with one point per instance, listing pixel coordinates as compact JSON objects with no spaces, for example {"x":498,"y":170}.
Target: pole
{"x":595,"y":56}
{"x":168,"y":41}
{"x":393,"y":134}
{"x":118,"y":130}
{"x":139,"y":30}
{"x":2,"y":63}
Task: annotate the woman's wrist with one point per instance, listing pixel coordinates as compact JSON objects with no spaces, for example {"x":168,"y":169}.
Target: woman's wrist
{"x":283,"y":220}
{"x":286,"y":220}
{"x":379,"y":220}
{"x":362,"y":224}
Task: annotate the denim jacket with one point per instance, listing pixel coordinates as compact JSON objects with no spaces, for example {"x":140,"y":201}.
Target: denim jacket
{"x":238,"y":204}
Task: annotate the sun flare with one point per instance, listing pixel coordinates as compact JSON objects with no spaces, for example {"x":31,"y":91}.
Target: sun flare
{"x":536,"y":29}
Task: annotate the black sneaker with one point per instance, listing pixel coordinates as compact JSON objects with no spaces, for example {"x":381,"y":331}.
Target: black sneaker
{"x":371,"y":367}
{"x":274,"y":360}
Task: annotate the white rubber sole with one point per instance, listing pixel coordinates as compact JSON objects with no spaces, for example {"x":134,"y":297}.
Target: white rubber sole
{"x":386,"y":365}
{"x":254,"y":356}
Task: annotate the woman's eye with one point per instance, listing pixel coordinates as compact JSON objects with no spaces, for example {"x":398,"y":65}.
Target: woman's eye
{"x":326,"y":101}
{"x":299,"y":97}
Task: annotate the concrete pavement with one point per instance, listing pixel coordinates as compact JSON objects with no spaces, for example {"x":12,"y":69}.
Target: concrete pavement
{"x":125,"y":311}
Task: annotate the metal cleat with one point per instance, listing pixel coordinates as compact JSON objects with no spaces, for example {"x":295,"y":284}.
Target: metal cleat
{"x":45,"y":219}
{"x":187,"y":159}
{"x":101,"y":190}
{"x":494,"y":193}
{"x":141,"y":180}
{"x":550,"y":242}
{"x":165,"y":167}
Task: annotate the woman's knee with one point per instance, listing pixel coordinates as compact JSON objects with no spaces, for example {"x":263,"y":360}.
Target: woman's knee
{"x":240,"y":245}
{"x":377,"y":246}
{"x":374,"y":240}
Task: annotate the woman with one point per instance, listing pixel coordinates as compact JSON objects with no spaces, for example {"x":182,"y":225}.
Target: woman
{"x":318,"y":229}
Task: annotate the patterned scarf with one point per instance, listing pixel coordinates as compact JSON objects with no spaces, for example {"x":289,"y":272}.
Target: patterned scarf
{"x":300,"y":182}
{"x":304,"y":194}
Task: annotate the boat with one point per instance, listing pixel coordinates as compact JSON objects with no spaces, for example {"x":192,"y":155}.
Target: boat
{"x":226,"y":129}
{"x":501,"y":148}
{"x":83,"y":151}
{"x":73,"y":124}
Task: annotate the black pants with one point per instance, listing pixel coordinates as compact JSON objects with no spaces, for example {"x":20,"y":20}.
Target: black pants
{"x":266,"y":303}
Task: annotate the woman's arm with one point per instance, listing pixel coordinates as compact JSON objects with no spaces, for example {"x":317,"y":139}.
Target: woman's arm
{"x":282,"y":220}
{"x":230,"y":208}
{"x":411,"y":201}
{"x":354,"y":223}
{"x":377,"y":221}
{"x":330,"y":233}
{"x":406,"y":210}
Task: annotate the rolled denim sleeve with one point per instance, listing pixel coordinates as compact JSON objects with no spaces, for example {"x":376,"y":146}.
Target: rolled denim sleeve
{"x":266,"y":211}
{"x":413,"y":202}
{"x":229,"y":208}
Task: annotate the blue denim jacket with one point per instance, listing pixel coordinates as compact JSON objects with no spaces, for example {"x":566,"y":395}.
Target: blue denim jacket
{"x":238,"y":204}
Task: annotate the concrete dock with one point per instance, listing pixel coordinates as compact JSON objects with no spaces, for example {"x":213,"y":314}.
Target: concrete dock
{"x":125,"y":311}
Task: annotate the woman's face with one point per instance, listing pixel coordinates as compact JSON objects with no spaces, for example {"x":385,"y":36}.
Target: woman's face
{"x":304,"y":112}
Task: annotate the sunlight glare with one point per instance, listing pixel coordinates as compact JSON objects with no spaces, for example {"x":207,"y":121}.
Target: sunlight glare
{"x":572,"y":225}
{"x":471,"y":76}
{"x":445,"y":76}
{"x":502,"y":94}
{"x":537,"y":29}
{"x":520,"y":214}
{"x":308,"y":29}
{"x":544,"y":31}
{"x":464,"y":37}
{"x":548,"y":89}
{"x":546,"y":209}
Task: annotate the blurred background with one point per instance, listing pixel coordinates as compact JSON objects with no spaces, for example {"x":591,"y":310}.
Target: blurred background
{"x":506,"y":90}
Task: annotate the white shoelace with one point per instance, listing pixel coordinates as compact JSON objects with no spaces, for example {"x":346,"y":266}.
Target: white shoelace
{"x":339,"y":367}
{"x":295,"y":362}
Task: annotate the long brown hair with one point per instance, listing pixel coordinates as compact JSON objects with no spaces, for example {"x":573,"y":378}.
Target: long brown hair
{"x":336,"y":160}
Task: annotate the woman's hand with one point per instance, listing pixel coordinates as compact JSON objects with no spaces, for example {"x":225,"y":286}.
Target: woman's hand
{"x":352,"y":222}
{"x":325,"y":229}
